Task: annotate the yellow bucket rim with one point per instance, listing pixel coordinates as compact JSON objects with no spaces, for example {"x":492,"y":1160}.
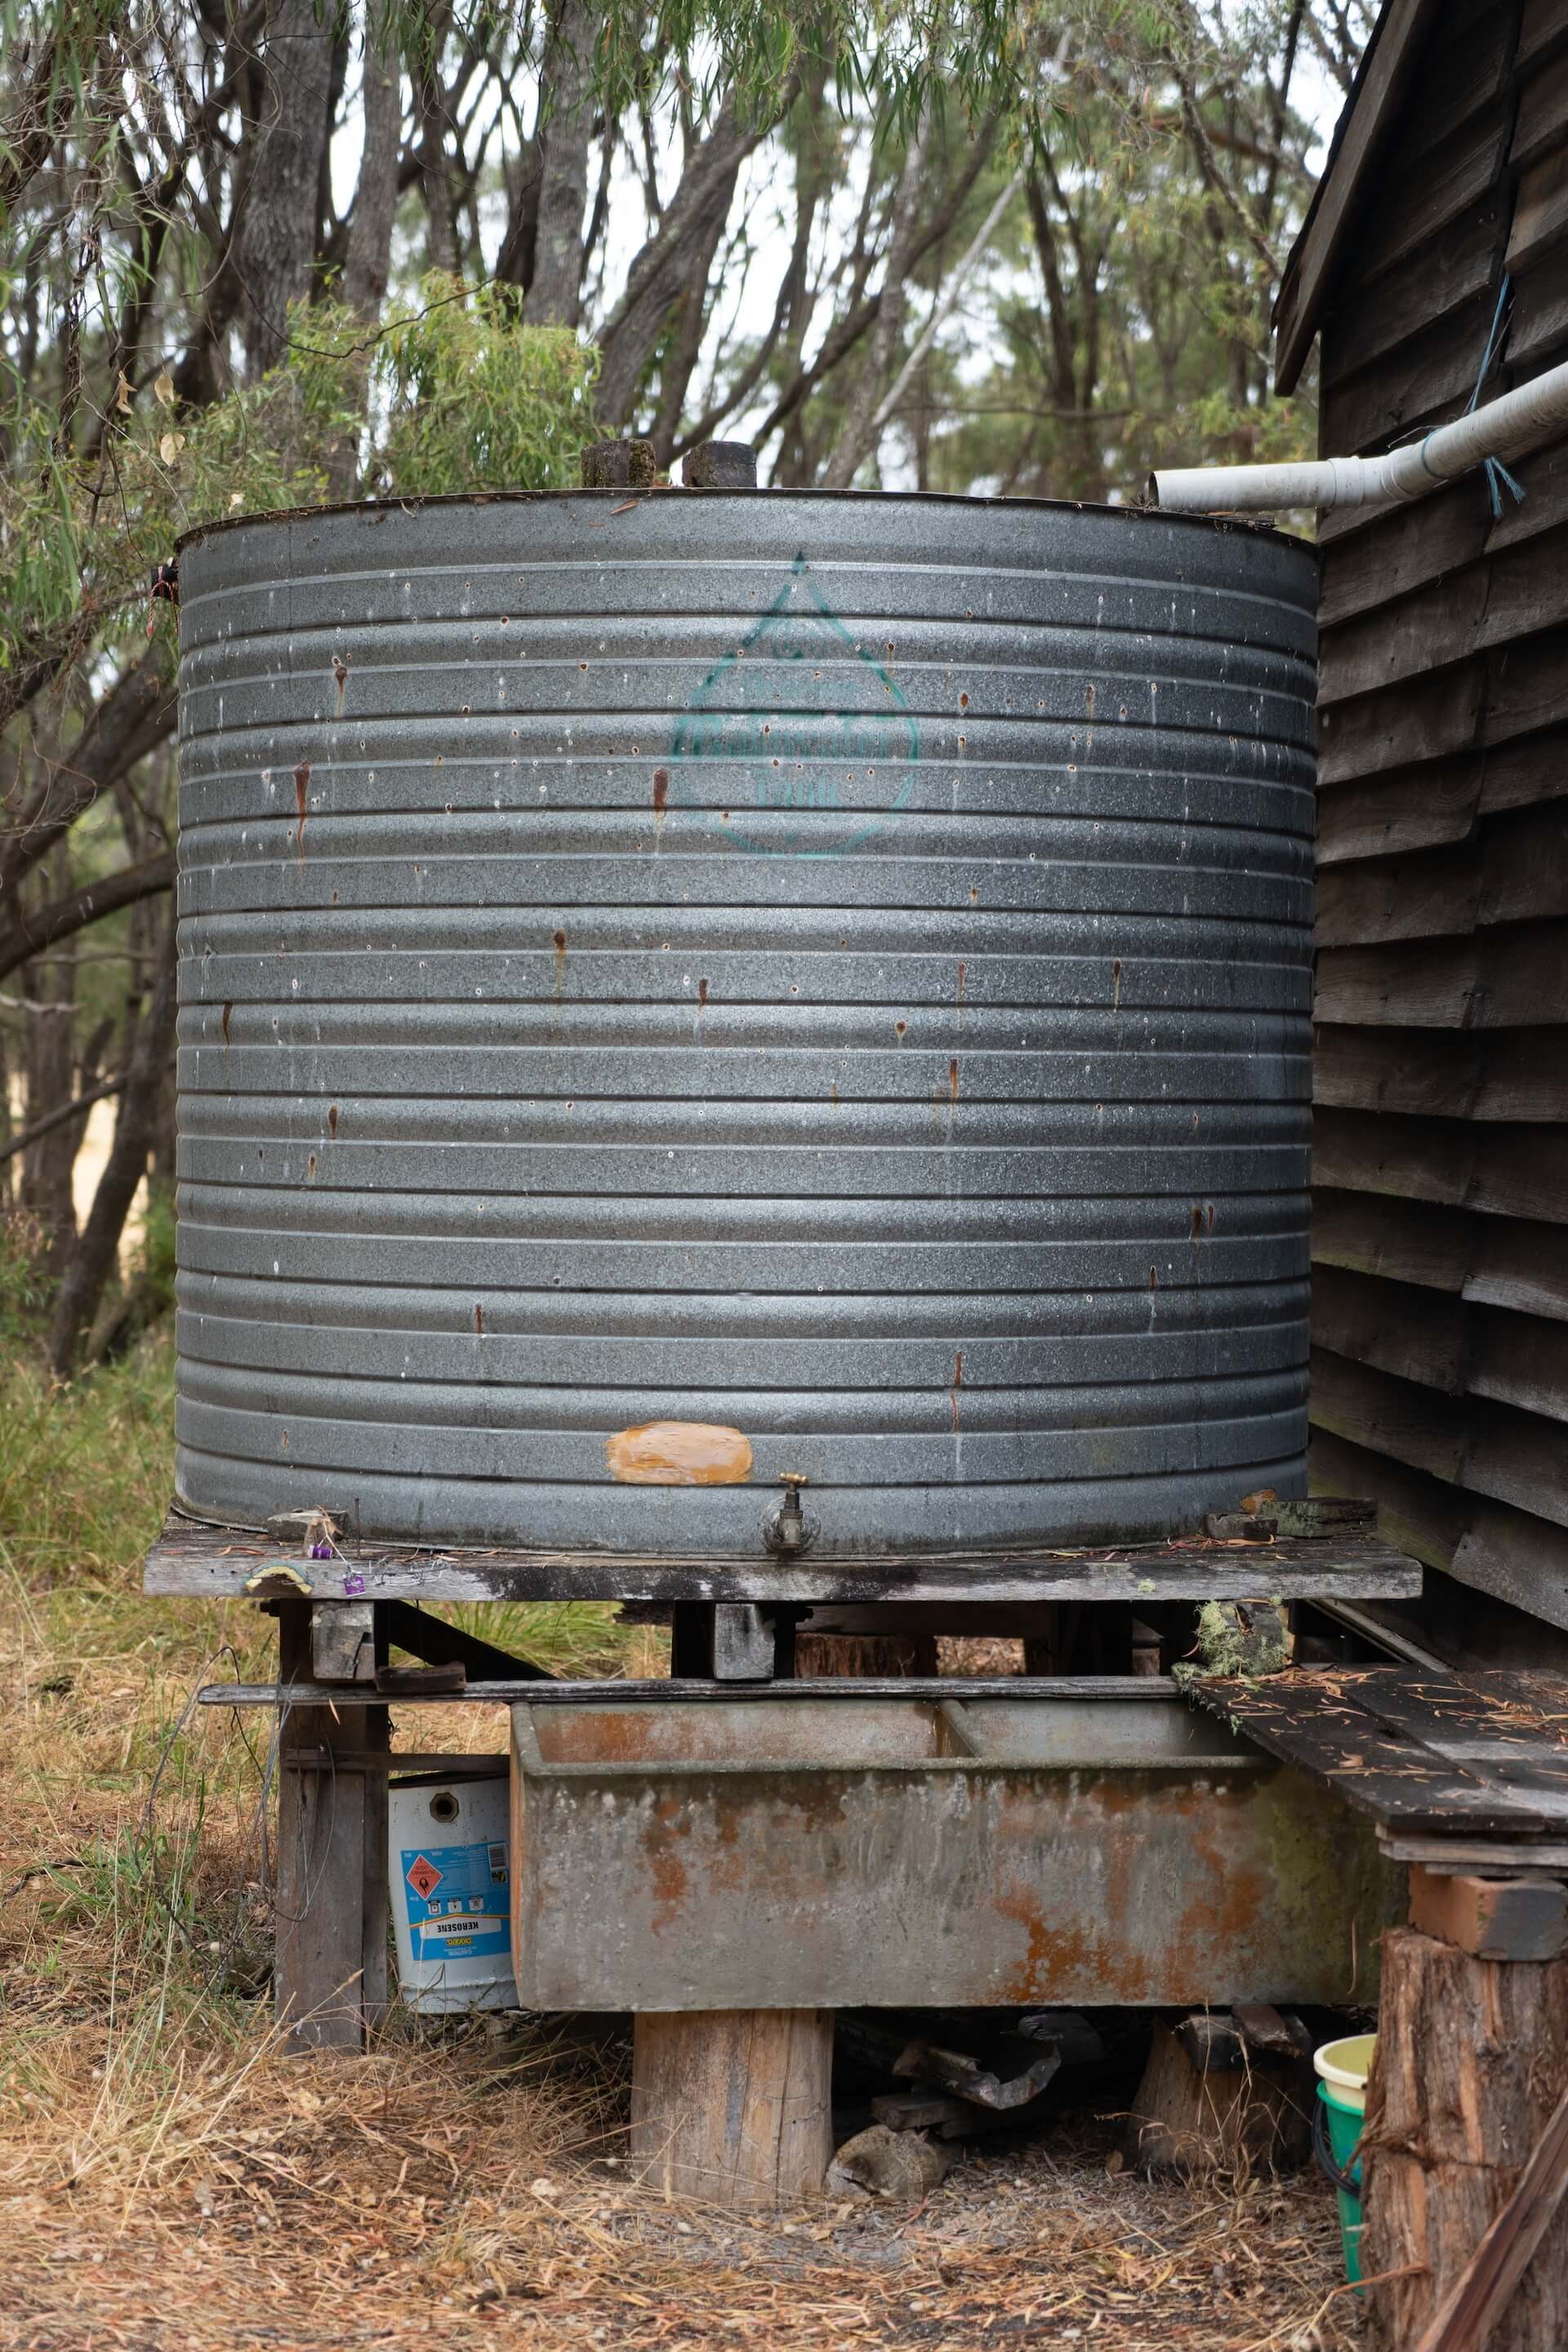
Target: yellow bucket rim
{"x":1345,"y":2066}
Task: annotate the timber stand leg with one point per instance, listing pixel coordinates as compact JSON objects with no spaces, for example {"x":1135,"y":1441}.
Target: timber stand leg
{"x":329,"y":1974}
{"x":1472,"y":2058}
{"x":733,"y":2106}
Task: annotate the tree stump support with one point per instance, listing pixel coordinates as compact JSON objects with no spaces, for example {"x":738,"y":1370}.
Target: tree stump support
{"x":733,"y":2108}
{"x":1472,"y":2059}
{"x":1223,"y":2094}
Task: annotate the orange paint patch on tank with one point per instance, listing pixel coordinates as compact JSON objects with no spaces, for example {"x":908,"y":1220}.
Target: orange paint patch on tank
{"x":678,"y":1453}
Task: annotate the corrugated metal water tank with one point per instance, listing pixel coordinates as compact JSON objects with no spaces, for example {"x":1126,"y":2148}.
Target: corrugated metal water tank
{"x":687,"y":988}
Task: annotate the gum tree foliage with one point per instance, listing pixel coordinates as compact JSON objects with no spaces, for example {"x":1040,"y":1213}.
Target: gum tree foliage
{"x":259,"y":253}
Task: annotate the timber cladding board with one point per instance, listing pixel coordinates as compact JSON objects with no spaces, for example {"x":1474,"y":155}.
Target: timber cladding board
{"x":1509,"y":593}
{"x":1540,"y":210}
{"x":1508,"y":706}
{"x":1363,"y":133}
{"x":1402,"y":549}
{"x":1516,"y":1170}
{"x":1491,"y":698}
{"x":1503,"y":979}
{"x":1423,"y":807}
{"x":1510,"y":1073}
{"x":1486,"y":1547}
{"x":1463,"y":265}
{"x":1543,"y":27}
{"x":1495,"y":1261}
{"x":1514,"y":871}
{"x":1541,"y":123}
{"x":1427,"y":381}
{"x":1486,"y":1448}
{"x":1441,"y":190}
{"x":1443,"y":1341}
{"x":1539,"y":325}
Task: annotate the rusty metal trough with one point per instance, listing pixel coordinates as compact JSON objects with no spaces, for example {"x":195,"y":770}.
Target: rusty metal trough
{"x":1109,"y":1847}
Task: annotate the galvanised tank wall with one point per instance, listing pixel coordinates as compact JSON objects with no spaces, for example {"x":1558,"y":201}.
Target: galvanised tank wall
{"x":831,"y":970}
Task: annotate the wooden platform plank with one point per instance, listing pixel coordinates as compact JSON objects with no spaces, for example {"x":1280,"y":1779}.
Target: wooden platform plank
{"x":1424,"y":1752}
{"x":1312,"y":1721}
{"x":192,"y":1558}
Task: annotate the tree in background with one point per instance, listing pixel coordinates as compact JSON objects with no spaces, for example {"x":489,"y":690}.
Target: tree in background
{"x":255,"y":253}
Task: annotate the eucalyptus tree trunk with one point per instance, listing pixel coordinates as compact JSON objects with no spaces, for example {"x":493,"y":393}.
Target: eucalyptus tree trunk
{"x":96,"y":1256}
{"x":553,"y":298}
{"x":275,"y":246}
{"x":858,"y":435}
{"x":369,"y":262}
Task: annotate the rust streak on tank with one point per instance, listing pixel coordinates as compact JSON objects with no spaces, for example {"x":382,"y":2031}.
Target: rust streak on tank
{"x":952,"y":1079}
{"x":678,"y":1453}
{"x":332,"y":1121}
{"x":661,"y":790}
{"x":302,"y":785}
{"x":957,"y":1384}
{"x":559,"y":963}
{"x":479,"y":1320}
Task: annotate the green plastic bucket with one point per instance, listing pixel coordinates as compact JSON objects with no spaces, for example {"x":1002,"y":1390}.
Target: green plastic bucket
{"x":1342,"y":2069}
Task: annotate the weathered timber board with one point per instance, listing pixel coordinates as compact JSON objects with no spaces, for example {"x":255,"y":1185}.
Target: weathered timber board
{"x":1544,"y":24}
{"x":1418,"y":1333}
{"x":1508,"y":1075}
{"x":1458,"y":265}
{"x":1423,"y":1752}
{"x":1489,"y":1449}
{"x":1401,"y":1240}
{"x":1492,"y":980}
{"x":1508,"y":1172}
{"x":192,"y":1558}
{"x":1425,"y":383}
{"x":1425,"y":719}
{"x":1488,"y":699}
{"x":1427,"y":1335}
{"x":1466,"y":65}
{"x":1400,"y":810}
{"x":1540,"y":210}
{"x":1540,"y":313}
{"x":1405,"y":548}
{"x":1540,"y":124}
{"x":604,"y":1691}
{"x":1491,"y":1548}
{"x":1420,"y":199}
{"x":1464,"y":611}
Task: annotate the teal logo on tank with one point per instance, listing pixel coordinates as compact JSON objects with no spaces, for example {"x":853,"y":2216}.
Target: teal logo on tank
{"x":800,"y":743}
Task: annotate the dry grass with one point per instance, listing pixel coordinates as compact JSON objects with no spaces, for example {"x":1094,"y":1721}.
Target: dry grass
{"x":167,"y":2179}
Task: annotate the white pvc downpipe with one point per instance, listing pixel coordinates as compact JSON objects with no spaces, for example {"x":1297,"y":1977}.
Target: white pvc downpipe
{"x":1521,"y":421}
